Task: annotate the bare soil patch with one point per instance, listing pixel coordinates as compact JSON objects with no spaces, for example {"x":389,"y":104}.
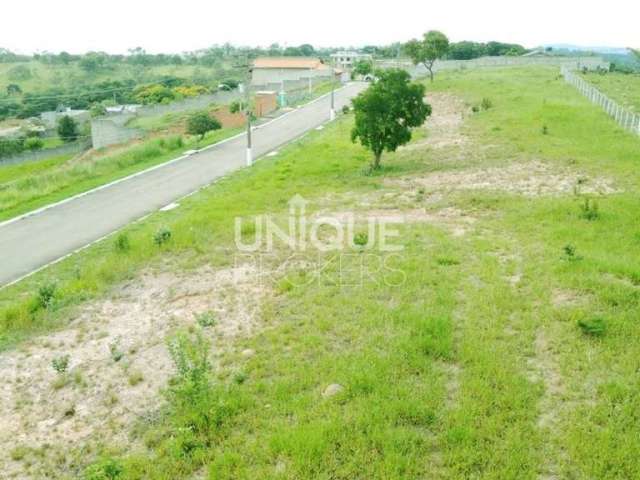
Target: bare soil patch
{"x":452,"y":219}
{"x":102,"y":396}
{"x":530,"y":179}
{"x":443,"y":126}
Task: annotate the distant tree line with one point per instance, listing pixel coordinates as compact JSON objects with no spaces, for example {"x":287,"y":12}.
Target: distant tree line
{"x":469,"y":50}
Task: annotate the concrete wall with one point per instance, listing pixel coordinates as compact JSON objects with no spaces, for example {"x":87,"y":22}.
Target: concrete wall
{"x":50,"y":119}
{"x":112,"y":129}
{"x":262,"y":76}
{"x":69,"y":148}
{"x":419,"y":70}
{"x":107,"y":131}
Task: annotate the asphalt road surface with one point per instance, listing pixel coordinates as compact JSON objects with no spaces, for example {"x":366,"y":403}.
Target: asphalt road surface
{"x":34,"y":241}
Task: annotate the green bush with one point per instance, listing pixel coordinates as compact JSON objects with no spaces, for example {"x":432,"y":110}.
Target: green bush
{"x":33,"y":144}
{"x":595,"y":327}
{"x":45,"y":296}
{"x":162,"y":236}
{"x":122,"y":243}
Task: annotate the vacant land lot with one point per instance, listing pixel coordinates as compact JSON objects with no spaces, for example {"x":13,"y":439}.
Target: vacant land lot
{"x":498,"y":343}
{"x":623,"y":88}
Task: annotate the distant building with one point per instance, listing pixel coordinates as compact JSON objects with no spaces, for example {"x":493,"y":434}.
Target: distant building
{"x":268,"y":70}
{"x":50,"y":119}
{"x":346,"y":59}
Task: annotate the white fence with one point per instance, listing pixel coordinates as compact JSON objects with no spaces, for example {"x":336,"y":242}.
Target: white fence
{"x":624,"y":117}
{"x":591,"y":63}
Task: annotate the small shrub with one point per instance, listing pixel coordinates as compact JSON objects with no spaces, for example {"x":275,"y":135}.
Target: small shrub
{"x":239,"y":378}
{"x":589,"y":209}
{"x":61,"y":364}
{"x":594,"y":327}
{"x":162,"y":236}
{"x":106,"y":469}
{"x":475,"y":109}
{"x":361,"y":239}
{"x":33,"y":144}
{"x":569,"y":251}
{"x":486,"y":103}
{"x":116,"y":353}
{"x":191,"y":359}
{"x":545,"y":130}
{"x":122,"y":243}
{"x":346,"y":109}
{"x":206,"y":319}
{"x":46,"y":295}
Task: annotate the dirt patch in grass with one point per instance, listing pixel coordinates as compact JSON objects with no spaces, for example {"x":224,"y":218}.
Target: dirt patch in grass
{"x":450,"y":218}
{"x":544,"y":368}
{"x":530,"y":179}
{"x":118,"y":360}
{"x":567,"y":298}
{"x":442,"y":128}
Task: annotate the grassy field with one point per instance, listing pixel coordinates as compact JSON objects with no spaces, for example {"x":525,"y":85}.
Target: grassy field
{"x":624,"y":89}
{"x":502,"y":349}
{"x":31,"y":185}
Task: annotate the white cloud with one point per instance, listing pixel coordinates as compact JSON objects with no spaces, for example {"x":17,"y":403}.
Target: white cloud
{"x":78,"y":26}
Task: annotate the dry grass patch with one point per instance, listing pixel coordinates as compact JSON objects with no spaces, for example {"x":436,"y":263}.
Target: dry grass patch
{"x":530,"y":179}
{"x":118,"y":360}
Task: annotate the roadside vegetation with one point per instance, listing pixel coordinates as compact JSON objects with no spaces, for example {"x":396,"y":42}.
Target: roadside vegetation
{"x":32,"y":185}
{"x":505,"y":352}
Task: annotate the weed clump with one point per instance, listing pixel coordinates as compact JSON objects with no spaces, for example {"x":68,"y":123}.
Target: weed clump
{"x":570,"y":252}
{"x":594,"y":327}
{"x":122,"y":243}
{"x":45,"y":296}
{"x":116,"y":353}
{"x":162,"y":236}
{"x":361,"y":239}
{"x":206,"y":319}
{"x":589,"y":209}
{"x":61,"y":364}
{"x":486,"y":103}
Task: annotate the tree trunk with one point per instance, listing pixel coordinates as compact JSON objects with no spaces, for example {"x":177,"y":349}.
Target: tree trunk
{"x":376,"y":161}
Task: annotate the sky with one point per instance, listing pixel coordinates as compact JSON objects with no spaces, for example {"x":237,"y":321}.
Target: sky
{"x":76,"y":26}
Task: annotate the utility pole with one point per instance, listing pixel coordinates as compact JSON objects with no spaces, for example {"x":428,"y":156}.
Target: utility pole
{"x":247,"y":67}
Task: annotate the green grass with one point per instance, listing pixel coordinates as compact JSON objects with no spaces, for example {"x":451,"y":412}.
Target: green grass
{"x":29,"y":186}
{"x":623,"y":88}
{"x":443,"y":376}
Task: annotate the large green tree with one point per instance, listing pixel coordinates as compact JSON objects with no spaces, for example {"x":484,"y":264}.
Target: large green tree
{"x":434,"y":45}
{"x":386,"y":112}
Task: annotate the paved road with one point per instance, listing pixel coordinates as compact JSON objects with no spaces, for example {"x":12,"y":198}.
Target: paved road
{"x":37,"y":240}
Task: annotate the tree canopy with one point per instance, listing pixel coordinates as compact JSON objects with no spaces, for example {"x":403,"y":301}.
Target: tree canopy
{"x":434,"y":45}
{"x":200,"y":123}
{"x":386,"y":112}
{"x":67,"y":129}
